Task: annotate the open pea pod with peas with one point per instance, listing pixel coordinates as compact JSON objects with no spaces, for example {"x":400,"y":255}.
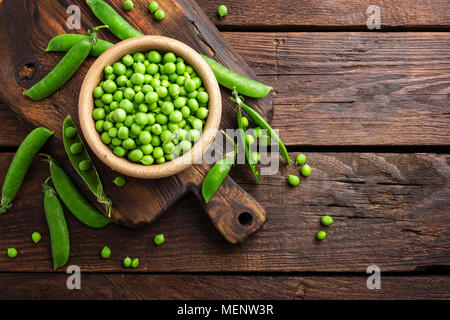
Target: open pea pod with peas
{"x":82,"y":162}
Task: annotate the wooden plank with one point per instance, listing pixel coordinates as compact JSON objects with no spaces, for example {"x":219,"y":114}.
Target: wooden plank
{"x":389,"y":209}
{"x":12,"y":131}
{"x":354,"y":88}
{"x":328,"y":14}
{"x":205,"y":287}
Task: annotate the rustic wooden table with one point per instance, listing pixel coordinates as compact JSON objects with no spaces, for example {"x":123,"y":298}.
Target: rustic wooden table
{"x":371,"y":111}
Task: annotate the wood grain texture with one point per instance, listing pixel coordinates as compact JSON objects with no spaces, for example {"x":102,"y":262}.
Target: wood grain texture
{"x":309,"y":14}
{"x":389,"y":209}
{"x":25,"y":62}
{"x":354,"y":88}
{"x":206,"y":287}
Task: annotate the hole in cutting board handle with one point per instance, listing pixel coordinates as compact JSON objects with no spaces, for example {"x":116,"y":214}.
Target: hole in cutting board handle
{"x":245,"y":219}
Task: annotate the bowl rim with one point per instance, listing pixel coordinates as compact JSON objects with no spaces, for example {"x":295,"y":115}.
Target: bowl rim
{"x":86,"y":106}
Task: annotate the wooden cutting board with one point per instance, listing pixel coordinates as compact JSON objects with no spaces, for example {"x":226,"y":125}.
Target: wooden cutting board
{"x":26,"y":28}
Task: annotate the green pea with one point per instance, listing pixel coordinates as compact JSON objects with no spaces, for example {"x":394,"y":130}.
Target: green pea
{"x":300,"y":159}
{"x":162,"y":92}
{"x":158,"y":152}
{"x":222,"y":10}
{"x":76,"y":148}
{"x":123,"y":133}
{"x":135,"y":263}
{"x":194,"y":135}
{"x":137,"y":79}
{"x":70,"y":132}
{"x":135,"y":155}
{"x":190,"y":85}
{"x":128,"y":60}
{"x":145,"y":137}
{"x":249,"y":139}
{"x":119,"y":69}
{"x":119,"y":115}
{"x":306,"y":170}
{"x":202,"y":113}
{"x":106,"y":139}
{"x":159,"y":239}
{"x":293,"y":180}
{"x":98,"y":113}
{"x":256,"y":157}
{"x":36,"y":237}
{"x":85,"y":165}
{"x":159,"y":15}
{"x":98,"y":92}
{"x":139,"y":57}
{"x":127,"y":262}
{"x":119,"y":151}
{"x":122,"y":80}
{"x":106,"y":253}
{"x":153,"y":6}
{"x":154,"y":56}
{"x":12,"y":252}
{"x":109,"y":86}
{"x":185,"y":145}
{"x":147,"y":160}
{"x":245,"y":122}
{"x":128,"y":144}
{"x":321,"y":235}
{"x":128,"y":5}
{"x":326,"y":220}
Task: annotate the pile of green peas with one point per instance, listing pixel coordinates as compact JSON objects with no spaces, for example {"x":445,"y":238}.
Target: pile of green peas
{"x":150,"y":108}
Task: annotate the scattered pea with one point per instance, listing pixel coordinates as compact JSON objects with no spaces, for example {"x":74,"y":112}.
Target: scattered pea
{"x":159,"y":239}
{"x":128,"y":5}
{"x":326,"y":220}
{"x":159,"y":15}
{"x":119,"y":181}
{"x":106,"y":253}
{"x":293,"y":180}
{"x":306,"y":170}
{"x":321,"y":235}
{"x":135,"y":263}
{"x":222,"y":10}
{"x":300,"y":159}
{"x":36,"y":237}
{"x":12,"y":252}
{"x":127,"y":262}
{"x":153,"y":6}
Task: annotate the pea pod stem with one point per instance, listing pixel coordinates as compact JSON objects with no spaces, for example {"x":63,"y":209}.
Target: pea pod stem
{"x":91,"y":176}
{"x":18,"y":168}
{"x":117,"y":25}
{"x":59,"y":234}
{"x":259,"y":121}
{"x":217,"y":174}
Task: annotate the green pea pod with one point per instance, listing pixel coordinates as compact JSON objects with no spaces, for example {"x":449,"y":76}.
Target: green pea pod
{"x":259,"y":121}
{"x":64,"y":42}
{"x":59,"y":234}
{"x":117,"y":25}
{"x":64,"y":70}
{"x":90,"y":177}
{"x":73,"y":199}
{"x":61,"y":73}
{"x":245,"y":144}
{"x":243,"y":85}
{"x":20,"y":164}
{"x":217,"y":174}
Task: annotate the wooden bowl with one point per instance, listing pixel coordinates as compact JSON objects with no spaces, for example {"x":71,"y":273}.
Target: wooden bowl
{"x":144,"y":44}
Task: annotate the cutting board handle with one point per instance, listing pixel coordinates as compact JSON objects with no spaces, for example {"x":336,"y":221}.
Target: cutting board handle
{"x":234,"y":212}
